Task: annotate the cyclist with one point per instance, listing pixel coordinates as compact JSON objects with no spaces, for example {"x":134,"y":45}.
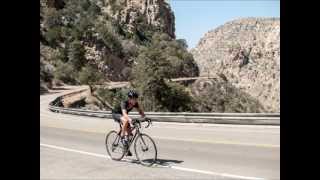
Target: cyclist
{"x":120,"y":114}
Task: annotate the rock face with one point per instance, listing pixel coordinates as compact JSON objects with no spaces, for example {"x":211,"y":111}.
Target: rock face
{"x":133,"y":17}
{"x":245,"y":52}
{"x":157,"y":12}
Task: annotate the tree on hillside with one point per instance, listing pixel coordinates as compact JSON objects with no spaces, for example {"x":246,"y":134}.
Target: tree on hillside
{"x":91,"y":76}
{"x":151,"y":73}
{"x":76,"y":55}
{"x":182,"y":43}
{"x":65,"y":73}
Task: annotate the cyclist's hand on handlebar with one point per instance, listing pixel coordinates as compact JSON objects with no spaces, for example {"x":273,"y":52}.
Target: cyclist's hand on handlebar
{"x":149,"y":122}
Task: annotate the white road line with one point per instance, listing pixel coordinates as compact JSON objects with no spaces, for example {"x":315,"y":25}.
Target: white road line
{"x":73,"y":150}
{"x":172,"y":167}
{"x":213,"y":173}
{"x":80,"y":152}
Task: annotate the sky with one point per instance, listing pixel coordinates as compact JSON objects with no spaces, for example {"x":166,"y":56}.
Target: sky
{"x":193,"y":18}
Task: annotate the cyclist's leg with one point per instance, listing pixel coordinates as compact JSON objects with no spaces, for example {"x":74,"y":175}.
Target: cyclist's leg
{"x":124,"y":126}
{"x":129,"y":126}
{"x":116,"y":117}
{"x":126,"y":130}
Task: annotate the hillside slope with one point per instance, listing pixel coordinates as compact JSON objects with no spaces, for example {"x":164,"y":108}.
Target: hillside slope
{"x":245,"y":52}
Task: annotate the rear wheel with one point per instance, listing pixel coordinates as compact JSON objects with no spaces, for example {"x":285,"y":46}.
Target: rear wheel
{"x":145,"y":150}
{"x":114,"y":146}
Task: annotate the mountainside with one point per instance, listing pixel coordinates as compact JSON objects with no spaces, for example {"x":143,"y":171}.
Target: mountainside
{"x":246,"y":53}
{"x":106,"y":36}
{"x":129,"y":12}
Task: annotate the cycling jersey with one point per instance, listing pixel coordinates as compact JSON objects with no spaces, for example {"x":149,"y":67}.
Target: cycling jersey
{"x":124,"y":105}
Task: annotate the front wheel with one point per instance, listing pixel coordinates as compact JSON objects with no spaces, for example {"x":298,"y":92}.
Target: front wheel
{"x":145,"y":150}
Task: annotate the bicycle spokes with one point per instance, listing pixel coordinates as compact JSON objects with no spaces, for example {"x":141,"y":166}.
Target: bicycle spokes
{"x":115,"y":144}
{"x":143,"y":146}
{"x":145,"y":150}
{"x":114,"y":148}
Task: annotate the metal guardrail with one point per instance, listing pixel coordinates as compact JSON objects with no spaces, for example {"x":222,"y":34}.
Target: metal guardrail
{"x":186,"y":117}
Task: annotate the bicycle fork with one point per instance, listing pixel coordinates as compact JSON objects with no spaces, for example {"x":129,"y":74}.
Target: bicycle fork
{"x":143,"y":145}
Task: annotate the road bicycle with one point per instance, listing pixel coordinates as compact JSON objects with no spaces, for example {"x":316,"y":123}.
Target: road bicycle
{"x":144,"y":147}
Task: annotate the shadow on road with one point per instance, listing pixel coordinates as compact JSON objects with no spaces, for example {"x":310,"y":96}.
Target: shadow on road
{"x":166,"y":162}
{"x":161,"y":162}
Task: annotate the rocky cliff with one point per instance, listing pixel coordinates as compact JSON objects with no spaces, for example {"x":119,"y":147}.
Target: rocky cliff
{"x":157,"y":13}
{"x":77,"y":36}
{"x":246,"y":53}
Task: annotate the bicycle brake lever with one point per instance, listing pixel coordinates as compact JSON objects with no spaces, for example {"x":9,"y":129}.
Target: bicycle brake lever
{"x":148,"y":124}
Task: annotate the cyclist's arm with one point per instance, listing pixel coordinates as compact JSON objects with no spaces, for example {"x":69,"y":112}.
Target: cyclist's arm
{"x":140,"y":111}
{"x":124,"y":110}
{"x":125,"y":114}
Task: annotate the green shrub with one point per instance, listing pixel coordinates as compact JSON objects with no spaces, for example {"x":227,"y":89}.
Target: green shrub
{"x":113,"y":97}
{"x":176,"y":99}
{"x":76,"y":55}
{"x":107,"y":34}
{"x":65,"y":73}
{"x":90,"y":75}
{"x":224,"y":97}
{"x":46,"y":72}
{"x":52,"y":18}
{"x":52,"y":36}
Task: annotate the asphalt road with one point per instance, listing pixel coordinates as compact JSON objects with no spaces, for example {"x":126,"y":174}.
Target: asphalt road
{"x":72,"y":147}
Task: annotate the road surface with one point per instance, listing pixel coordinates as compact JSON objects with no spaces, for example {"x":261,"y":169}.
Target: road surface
{"x":72,"y":147}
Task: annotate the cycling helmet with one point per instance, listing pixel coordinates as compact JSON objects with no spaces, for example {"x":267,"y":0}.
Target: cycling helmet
{"x":132,"y":94}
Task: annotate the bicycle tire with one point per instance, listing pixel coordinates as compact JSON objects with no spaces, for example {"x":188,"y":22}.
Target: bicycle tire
{"x":119,"y":145}
{"x":141,"y":141}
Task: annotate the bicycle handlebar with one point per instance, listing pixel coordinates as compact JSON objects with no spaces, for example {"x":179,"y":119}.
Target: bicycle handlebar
{"x":149,"y":123}
{"x":139,"y":120}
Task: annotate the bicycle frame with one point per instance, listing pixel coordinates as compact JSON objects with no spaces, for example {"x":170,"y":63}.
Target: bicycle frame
{"x":141,"y":144}
{"x":137,"y":132}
